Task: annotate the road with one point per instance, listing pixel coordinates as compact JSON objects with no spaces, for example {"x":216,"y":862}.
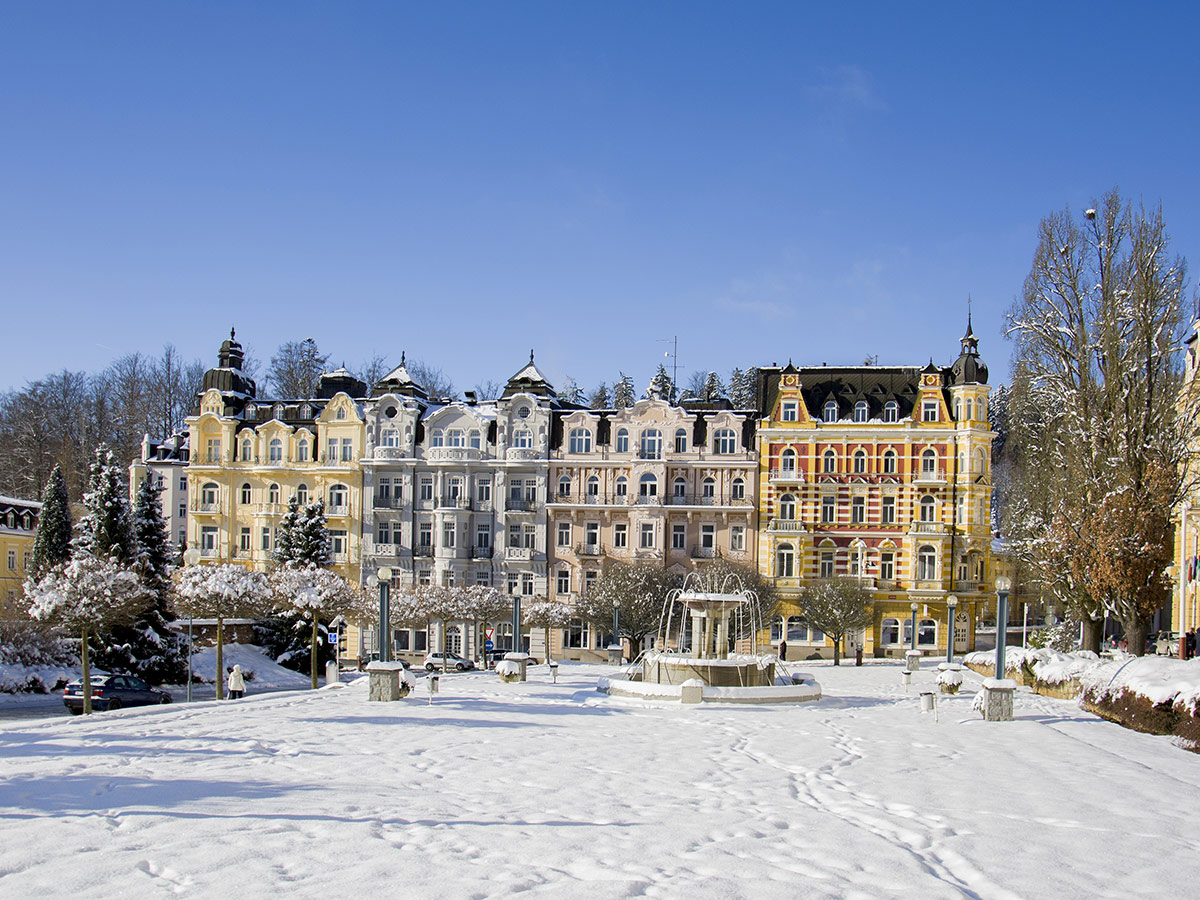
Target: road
{"x":47,"y":706}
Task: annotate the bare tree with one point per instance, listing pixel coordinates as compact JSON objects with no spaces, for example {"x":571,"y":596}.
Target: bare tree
{"x":437,"y":383}
{"x":488,"y":389}
{"x":837,"y":607}
{"x":371,"y":371}
{"x":295,"y":368}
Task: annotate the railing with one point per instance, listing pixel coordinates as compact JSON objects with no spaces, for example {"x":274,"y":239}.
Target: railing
{"x":786,"y":475}
{"x":927,"y":528}
{"x":643,"y":453}
{"x":481,"y":552}
{"x":206,"y":507}
{"x":387,"y":502}
{"x":522,"y":553}
{"x":389,"y":550}
{"x":389,"y":453}
{"x":589,"y":549}
{"x":931,"y":475}
{"x":208,"y":552}
{"x":459,"y":502}
{"x":791,"y":526}
{"x":704,"y":552}
{"x":647,"y":500}
{"x":966,"y":586}
{"x":522,"y":453}
{"x":342,"y":509}
{"x":270,"y":509}
{"x":453,"y":453}
{"x":423,"y":551}
{"x":513,"y":504}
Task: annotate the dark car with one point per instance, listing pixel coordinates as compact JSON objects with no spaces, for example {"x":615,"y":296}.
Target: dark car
{"x":495,"y":656}
{"x":113,"y":692}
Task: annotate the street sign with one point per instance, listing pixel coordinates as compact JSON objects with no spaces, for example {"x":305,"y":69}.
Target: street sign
{"x":333,"y":639}
{"x":491,"y":633}
{"x":488,"y":645}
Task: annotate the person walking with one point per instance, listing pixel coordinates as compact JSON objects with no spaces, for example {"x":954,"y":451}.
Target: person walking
{"x":237,"y":684}
{"x":783,"y":651}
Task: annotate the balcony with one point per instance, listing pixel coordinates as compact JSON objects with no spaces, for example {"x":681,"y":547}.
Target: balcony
{"x":522,"y":553}
{"x":389,"y":550}
{"x":386,"y":502}
{"x":704,"y":552}
{"x":455,"y":502}
{"x":930,"y":476}
{"x":647,"y":500}
{"x":206,"y":507}
{"x":694,"y":500}
{"x":389,"y":453}
{"x":270,"y":509}
{"x":787,"y":526}
{"x":590,"y":549}
{"x":342,"y":509}
{"x":453,"y":454}
{"x":481,"y":552}
{"x":520,"y":453}
{"x":425,"y":552}
{"x":927,"y":528}
{"x":513,"y":504}
{"x":785,"y":476}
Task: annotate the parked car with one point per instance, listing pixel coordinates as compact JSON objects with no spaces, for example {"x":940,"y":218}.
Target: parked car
{"x":494,"y":656}
{"x":435,"y":661}
{"x":1167,"y":643}
{"x":113,"y":692}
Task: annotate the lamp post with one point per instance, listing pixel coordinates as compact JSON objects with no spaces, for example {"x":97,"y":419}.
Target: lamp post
{"x":385,"y":625}
{"x":951,"y":606}
{"x":913,"y":628}
{"x":617,"y":626}
{"x":516,"y":624}
{"x":1003,"y":585}
{"x":191,"y":557}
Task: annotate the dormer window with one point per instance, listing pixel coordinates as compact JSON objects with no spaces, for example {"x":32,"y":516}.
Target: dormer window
{"x":831,"y":411}
{"x":341,"y":413}
{"x":251,"y":410}
{"x":891,"y":411}
{"x":860,"y":411}
{"x":929,"y":411}
{"x":306,"y":411}
{"x":302,"y":451}
{"x":622,"y":441}
{"x":580,"y":441}
{"x":790,"y":411}
{"x":724,"y":441}
{"x":437,"y":438}
{"x":278,"y":411}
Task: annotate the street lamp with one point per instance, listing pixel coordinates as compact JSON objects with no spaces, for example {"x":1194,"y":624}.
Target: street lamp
{"x":384,"y":577}
{"x":951,"y":605}
{"x":191,"y":556}
{"x":617,"y":625}
{"x":1003,"y":586}
{"x":913,"y":630}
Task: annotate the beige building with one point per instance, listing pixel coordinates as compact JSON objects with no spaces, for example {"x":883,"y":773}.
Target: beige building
{"x":675,"y":485}
{"x":18,"y":527}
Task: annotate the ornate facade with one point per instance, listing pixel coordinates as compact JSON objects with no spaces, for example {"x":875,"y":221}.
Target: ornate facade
{"x":18,"y":527}
{"x":881,"y":474}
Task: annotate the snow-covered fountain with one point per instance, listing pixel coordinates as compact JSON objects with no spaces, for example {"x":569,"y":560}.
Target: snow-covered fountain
{"x":707,"y":649}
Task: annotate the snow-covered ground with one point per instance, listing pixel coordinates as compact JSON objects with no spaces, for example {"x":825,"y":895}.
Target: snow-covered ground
{"x":556,"y":791}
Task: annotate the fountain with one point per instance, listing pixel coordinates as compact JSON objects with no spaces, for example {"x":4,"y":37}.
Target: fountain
{"x":701,"y":626}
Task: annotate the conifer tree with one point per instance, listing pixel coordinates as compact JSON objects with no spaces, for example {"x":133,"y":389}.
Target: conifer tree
{"x":600,"y":398}
{"x":661,"y":386}
{"x":52,"y":543}
{"x":623,"y":395}
{"x":713,"y":388}
{"x":302,"y":543}
{"x":105,"y":530}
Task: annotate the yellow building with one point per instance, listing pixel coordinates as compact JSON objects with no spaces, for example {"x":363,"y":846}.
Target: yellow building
{"x":18,"y":526}
{"x":1185,"y":602}
{"x":250,"y":456}
{"x":882,"y":474}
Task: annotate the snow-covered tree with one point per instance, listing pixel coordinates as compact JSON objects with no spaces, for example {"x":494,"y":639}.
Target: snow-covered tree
{"x":148,"y":647}
{"x":693,"y":389}
{"x":837,"y":607}
{"x":739,"y":391}
{"x":572,"y":392}
{"x":661,"y":386}
{"x":86,"y":596}
{"x":638,"y":590}
{"x":222,"y":592}
{"x":600,"y":398}
{"x":713,"y":387}
{"x":548,"y":614}
{"x":623,"y":393}
{"x":295,"y":368}
{"x":312,"y":596}
{"x":105,"y":529}
{"x":52,"y":543}
{"x":303,"y":537}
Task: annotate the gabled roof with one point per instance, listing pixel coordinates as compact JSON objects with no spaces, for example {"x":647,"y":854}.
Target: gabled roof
{"x":529,"y":380}
{"x":398,"y":381}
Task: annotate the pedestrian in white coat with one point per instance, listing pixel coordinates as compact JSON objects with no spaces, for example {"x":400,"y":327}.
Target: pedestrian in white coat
{"x":237,"y":684}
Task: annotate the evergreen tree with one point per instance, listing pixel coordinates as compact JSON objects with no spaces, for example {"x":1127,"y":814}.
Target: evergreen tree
{"x":661,"y":386}
{"x":572,"y":392}
{"x":52,"y":544}
{"x":743,"y":387}
{"x":303,"y":542}
{"x":600,"y":398}
{"x":623,"y":395}
{"x":713,"y":388}
{"x":105,"y":530}
{"x":147,"y":647}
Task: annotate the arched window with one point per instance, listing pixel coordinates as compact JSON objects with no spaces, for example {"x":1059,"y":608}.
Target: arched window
{"x":831,"y":411}
{"x":564,"y":486}
{"x":276,"y":450}
{"x":785,"y":561}
{"x":708,"y":489}
{"x":829,"y":462}
{"x":724,"y":441}
{"x":776,"y":629}
{"x":648,"y":486}
{"x":787,"y":507}
{"x":957,"y":409}
{"x":302,"y":494}
{"x":454,"y":639}
{"x":980,"y":467}
{"x":341,"y":413}
{"x":247,"y":450}
{"x":860,"y":462}
{"x":208,"y":494}
{"x":273,"y":494}
{"x":928,"y":463}
{"x":928,"y":508}
{"x":580,"y":441}
{"x":338,"y":495}
{"x":245,"y":499}
{"x":970,"y":409}
{"x":889,"y":632}
{"x":437,"y":438}
{"x":889,"y":463}
{"x":797,"y":630}
{"x":388,"y":438}
{"x":891,"y":411}
{"x":738,"y":489}
{"x":860,"y":411}
{"x":302,"y":450}
{"x":523,"y":439}
{"x":926,"y":564}
{"x":622,"y":440}
{"x":651,"y":444}
{"x":681,"y":441}
{"x":593,"y":489}
{"x":679,"y":488}
{"x":787,"y":462}
{"x":622,"y":486}
{"x":926,"y":633}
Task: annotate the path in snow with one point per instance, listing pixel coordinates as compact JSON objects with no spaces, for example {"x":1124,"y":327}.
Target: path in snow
{"x":556,"y":791}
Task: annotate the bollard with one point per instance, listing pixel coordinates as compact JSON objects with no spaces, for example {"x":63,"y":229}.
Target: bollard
{"x":554,"y":671}
{"x":927,"y":701}
{"x":332,"y":676}
{"x":906,"y":677}
{"x":858,"y":656}
{"x":432,"y":682}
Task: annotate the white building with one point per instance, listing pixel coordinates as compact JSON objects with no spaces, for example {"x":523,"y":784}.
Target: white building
{"x":166,"y":461}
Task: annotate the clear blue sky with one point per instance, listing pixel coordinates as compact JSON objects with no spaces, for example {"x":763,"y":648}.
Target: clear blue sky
{"x":466,"y":181}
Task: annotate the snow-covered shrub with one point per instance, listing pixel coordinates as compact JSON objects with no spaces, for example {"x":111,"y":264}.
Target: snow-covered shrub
{"x":33,"y":644}
{"x":949,"y":680}
{"x":508,"y":670}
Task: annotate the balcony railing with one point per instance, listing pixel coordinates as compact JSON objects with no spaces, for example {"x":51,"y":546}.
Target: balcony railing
{"x":589,"y":549}
{"x":389,"y":502}
{"x":423,"y":551}
{"x":206,"y":507}
{"x":790,"y":526}
{"x":389,"y":453}
{"x":453,"y":453}
{"x":522,"y":453}
{"x":647,"y":500}
{"x":930,"y":475}
{"x":513,"y":504}
{"x":481,"y":552}
{"x":704,"y":552}
{"x":786,"y":475}
{"x":927,"y":528}
{"x":458,"y":502}
{"x":342,"y":509}
{"x":522,"y":553}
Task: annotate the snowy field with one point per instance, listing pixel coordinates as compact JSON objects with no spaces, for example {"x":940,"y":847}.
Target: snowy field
{"x":550,"y":790}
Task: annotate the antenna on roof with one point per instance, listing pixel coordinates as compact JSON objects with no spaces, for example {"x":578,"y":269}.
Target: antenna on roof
{"x":531,"y":354}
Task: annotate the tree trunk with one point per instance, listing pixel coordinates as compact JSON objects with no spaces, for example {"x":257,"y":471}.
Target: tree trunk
{"x":312,"y":654}
{"x":837,"y":650}
{"x":547,"y":645}
{"x":1092,"y":629}
{"x":1136,"y":632}
{"x":220,"y":659}
{"x":87,"y":675}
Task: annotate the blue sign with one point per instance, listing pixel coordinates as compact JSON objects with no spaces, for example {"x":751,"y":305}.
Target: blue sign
{"x":488,"y":645}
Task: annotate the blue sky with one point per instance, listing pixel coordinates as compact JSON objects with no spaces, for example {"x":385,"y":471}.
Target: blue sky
{"x":466,"y":181}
